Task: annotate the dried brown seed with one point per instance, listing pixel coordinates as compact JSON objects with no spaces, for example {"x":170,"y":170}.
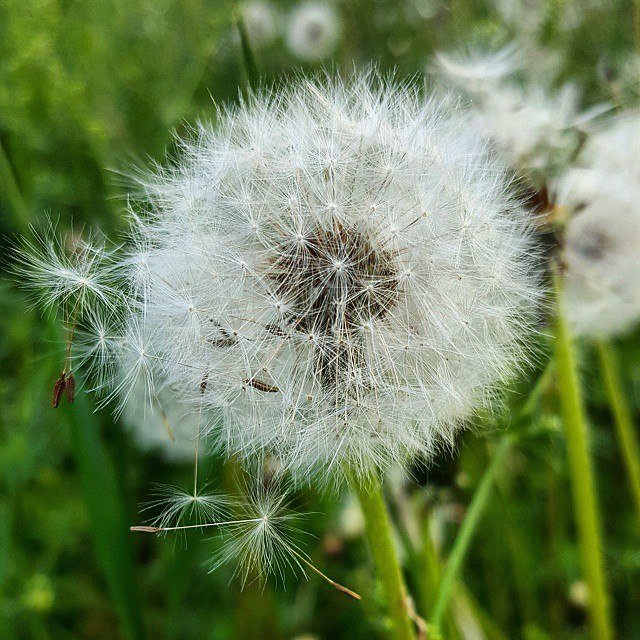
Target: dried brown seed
{"x":58,"y":389}
{"x":261,"y":386}
{"x":70,"y":388}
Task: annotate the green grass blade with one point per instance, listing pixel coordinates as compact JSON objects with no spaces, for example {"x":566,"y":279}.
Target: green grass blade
{"x":10,"y":195}
{"x":107,"y":516}
{"x":465,"y":535}
{"x":582,"y":482}
{"x":249,"y":63}
{"x":622,"y":417}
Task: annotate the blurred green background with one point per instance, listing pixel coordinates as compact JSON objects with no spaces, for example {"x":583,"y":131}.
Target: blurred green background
{"x":91,"y":90}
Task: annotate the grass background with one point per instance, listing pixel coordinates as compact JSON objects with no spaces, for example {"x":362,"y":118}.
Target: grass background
{"x":90,"y":89}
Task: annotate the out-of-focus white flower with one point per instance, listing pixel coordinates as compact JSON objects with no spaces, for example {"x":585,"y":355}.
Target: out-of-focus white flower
{"x":602,"y":244}
{"x":529,"y":17}
{"x":602,"y":262}
{"x":351,"y":519}
{"x":538,"y":131}
{"x":629,"y":76}
{"x":613,"y":150}
{"x":314,"y":30}
{"x":420,"y":10}
{"x":477,"y":70}
{"x":162,"y":423}
{"x":261,"y":22}
{"x":579,"y":594}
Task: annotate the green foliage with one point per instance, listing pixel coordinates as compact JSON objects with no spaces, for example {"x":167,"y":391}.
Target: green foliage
{"x":92,"y":90}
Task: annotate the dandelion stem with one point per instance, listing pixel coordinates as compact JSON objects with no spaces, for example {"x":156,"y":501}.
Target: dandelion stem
{"x":583,"y":490}
{"x":622,"y":416}
{"x":466,"y":533}
{"x":378,"y":530}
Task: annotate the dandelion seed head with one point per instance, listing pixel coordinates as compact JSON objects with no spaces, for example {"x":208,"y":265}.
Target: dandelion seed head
{"x":349,"y":295}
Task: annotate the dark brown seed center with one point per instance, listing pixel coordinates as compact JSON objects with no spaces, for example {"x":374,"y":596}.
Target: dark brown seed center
{"x":332,"y":283}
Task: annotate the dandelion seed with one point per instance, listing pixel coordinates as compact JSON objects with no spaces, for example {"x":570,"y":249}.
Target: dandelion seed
{"x":177,"y":506}
{"x":58,"y":389}
{"x":259,"y":541}
{"x":70,"y":273}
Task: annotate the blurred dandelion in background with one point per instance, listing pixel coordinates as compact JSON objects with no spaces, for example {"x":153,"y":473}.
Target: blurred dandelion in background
{"x":314,"y":30}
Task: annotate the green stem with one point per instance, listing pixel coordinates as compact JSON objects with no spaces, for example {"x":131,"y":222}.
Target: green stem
{"x":583,"y":490}
{"x":636,"y":24}
{"x":428,"y":563}
{"x":466,"y":533}
{"x":379,"y":535}
{"x":622,"y":416}
{"x":248,"y":58}
{"x":10,"y":194}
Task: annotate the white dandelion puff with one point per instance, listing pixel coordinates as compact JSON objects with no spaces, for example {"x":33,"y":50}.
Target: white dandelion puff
{"x":261,"y":22}
{"x":344,"y":266}
{"x":336,"y":275}
{"x":314,"y":30}
{"x":602,"y":253}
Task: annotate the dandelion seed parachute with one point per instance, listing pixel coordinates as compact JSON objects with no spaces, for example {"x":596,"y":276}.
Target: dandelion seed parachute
{"x":476,"y":69}
{"x":336,"y":274}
